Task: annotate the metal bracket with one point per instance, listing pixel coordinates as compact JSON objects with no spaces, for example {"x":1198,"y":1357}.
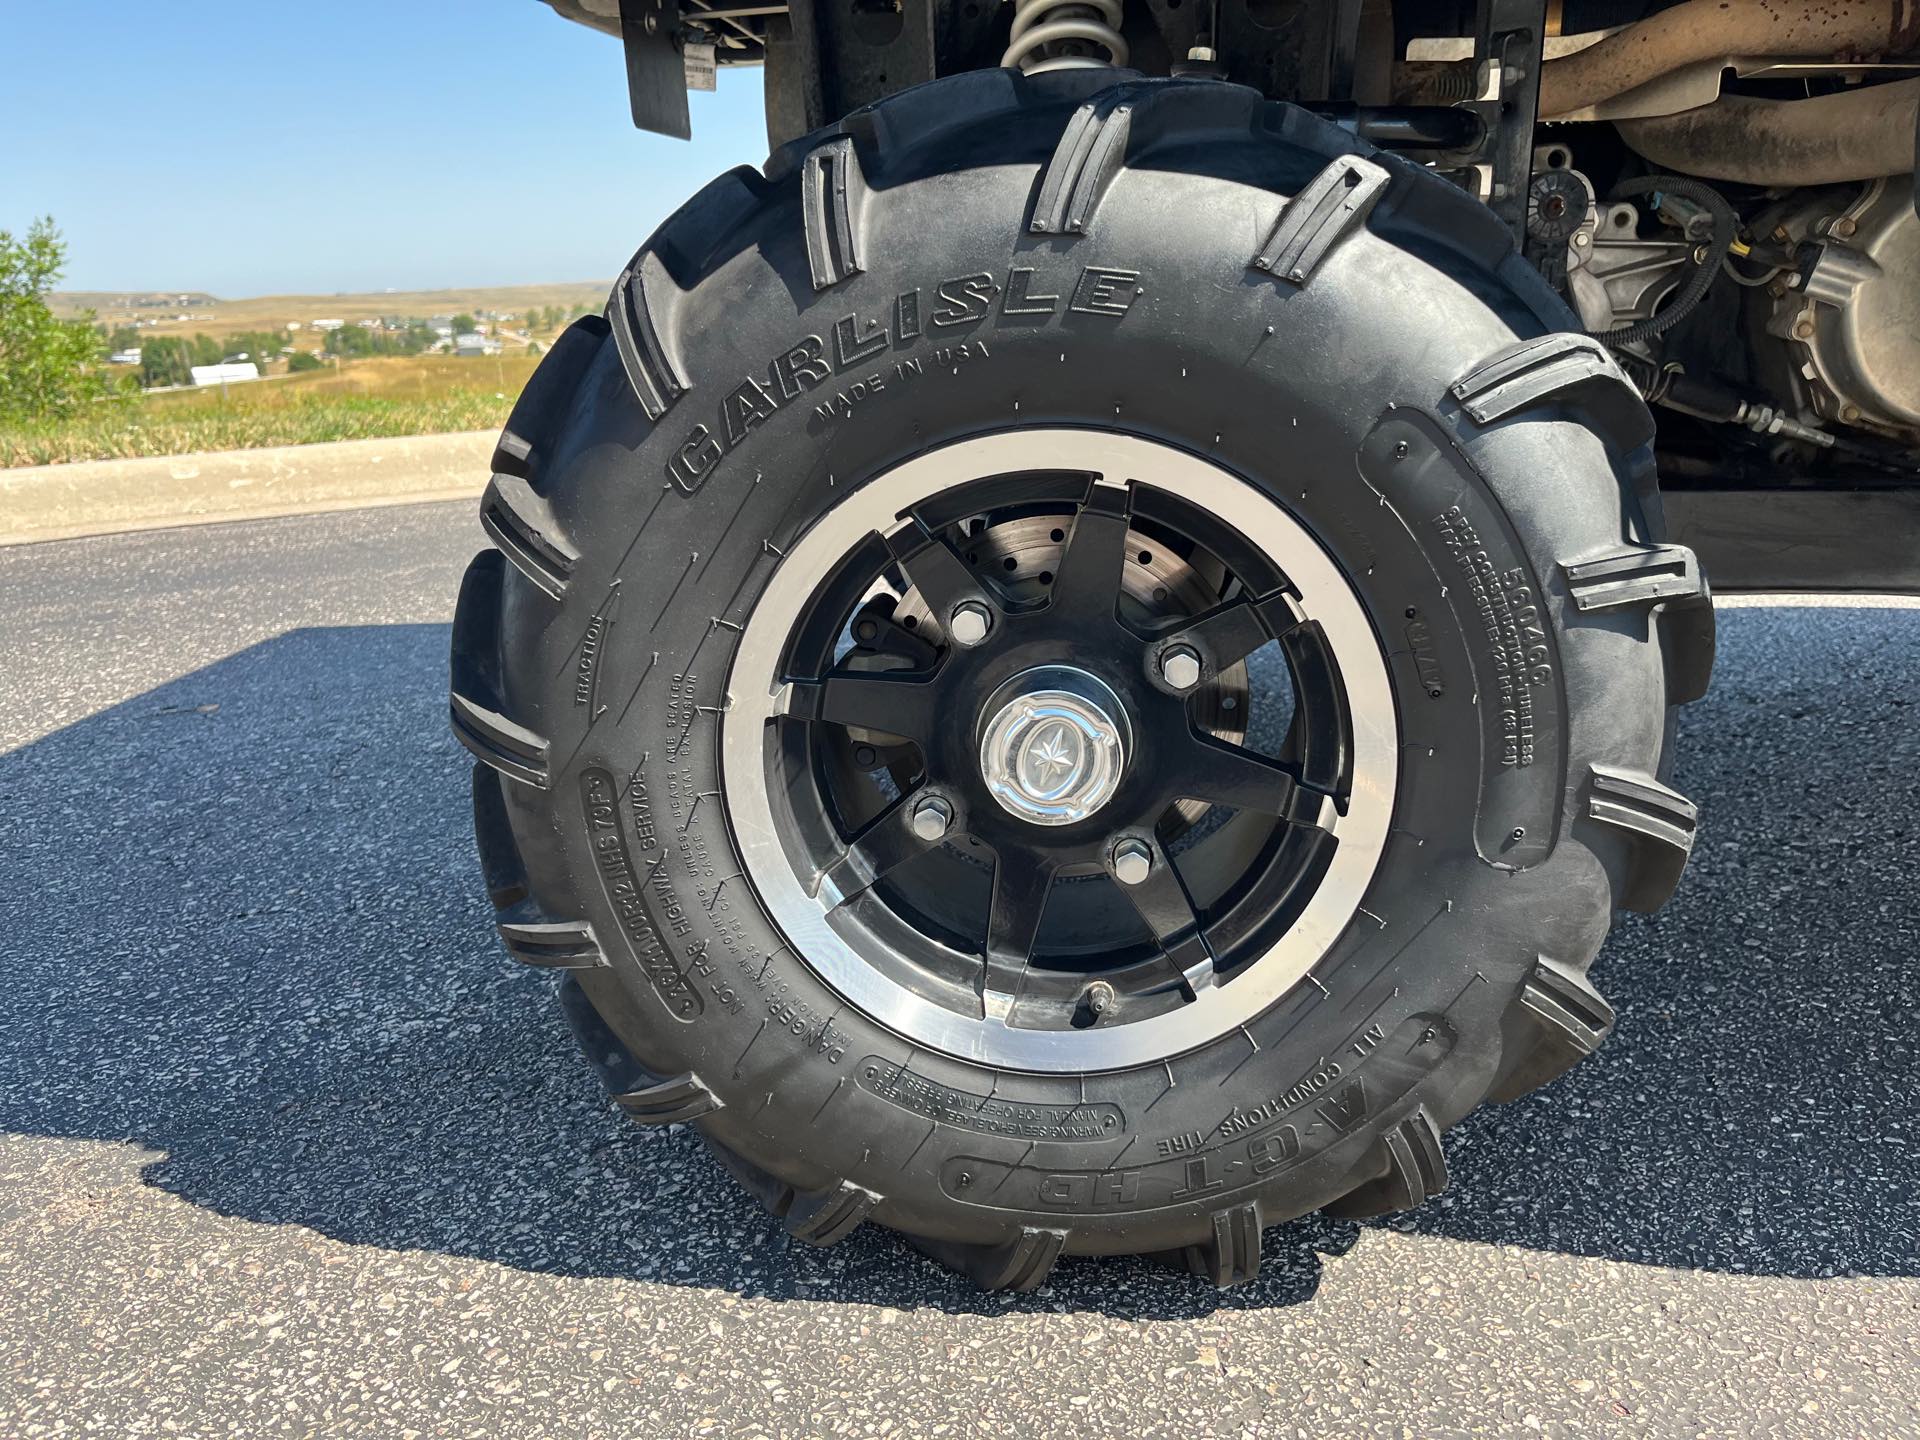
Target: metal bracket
{"x":656,"y":73}
{"x":1509,"y":38}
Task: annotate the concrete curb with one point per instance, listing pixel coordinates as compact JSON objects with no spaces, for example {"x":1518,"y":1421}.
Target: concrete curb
{"x":97,"y":497}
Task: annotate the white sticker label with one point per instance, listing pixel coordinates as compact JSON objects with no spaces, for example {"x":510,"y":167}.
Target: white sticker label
{"x":700,"y":67}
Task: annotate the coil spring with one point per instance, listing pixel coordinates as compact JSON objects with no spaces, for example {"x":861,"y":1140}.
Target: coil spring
{"x":1057,"y":34}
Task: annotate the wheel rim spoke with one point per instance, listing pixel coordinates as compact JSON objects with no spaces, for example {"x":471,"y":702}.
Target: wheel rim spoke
{"x":1229,"y":633}
{"x":933,"y":569}
{"x":1086,"y":582}
{"x":1233,"y":776}
{"x":1022,"y":881}
{"x":896,"y":702}
{"x":1168,"y":910}
{"x":885,"y":844}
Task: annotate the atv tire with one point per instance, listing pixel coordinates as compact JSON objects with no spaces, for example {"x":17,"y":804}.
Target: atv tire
{"x":1177,"y":264}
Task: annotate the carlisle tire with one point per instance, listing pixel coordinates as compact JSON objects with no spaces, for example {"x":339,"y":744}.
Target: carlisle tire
{"x":1078,"y":668}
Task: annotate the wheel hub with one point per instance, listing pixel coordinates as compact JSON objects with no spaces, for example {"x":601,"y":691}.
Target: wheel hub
{"x":1053,"y":748}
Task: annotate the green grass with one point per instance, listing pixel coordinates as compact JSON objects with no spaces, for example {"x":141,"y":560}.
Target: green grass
{"x":369,"y":399}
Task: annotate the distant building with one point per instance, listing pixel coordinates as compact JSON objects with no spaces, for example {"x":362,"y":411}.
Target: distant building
{"x":125,"y":357}
{"x":470,"y":343}
{"x":327,"y":324}
{"x":225,"y":374}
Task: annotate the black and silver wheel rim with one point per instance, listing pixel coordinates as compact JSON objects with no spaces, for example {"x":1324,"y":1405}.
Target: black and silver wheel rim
{"x":996,"y":770}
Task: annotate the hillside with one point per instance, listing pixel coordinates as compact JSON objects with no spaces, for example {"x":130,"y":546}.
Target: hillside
{"x":160,"y":310}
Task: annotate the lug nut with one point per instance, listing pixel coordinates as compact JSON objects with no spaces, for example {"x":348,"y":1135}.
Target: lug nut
{"x":969,"y":623}
{"x":1132,"y":862}
{"x":931,"y":817}
{"x":1180,"y":667}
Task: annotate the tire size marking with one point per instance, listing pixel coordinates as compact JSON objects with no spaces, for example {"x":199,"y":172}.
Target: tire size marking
{"x":1178,"y":1180}
{"x":988,"y":1114}
{"x":854,"y":342}
{"x":625,"y":890}
{"x":1496,"y":622}
{"x":1378,"y":1065}
{"x":677,"y":976}
{"x":1516,"y":636}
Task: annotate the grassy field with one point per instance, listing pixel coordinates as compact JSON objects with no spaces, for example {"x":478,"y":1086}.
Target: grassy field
{"x":359,"y":400}
{"x":215,"y":316}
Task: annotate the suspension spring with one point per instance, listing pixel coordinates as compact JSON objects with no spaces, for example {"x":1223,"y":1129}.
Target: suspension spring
{"x":1065,"y":35}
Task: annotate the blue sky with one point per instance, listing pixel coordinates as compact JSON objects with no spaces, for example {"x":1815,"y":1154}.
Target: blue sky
{"x":251,"y":147}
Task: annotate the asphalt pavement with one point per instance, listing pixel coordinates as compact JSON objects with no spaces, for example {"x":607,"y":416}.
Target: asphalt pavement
{"x":288,"y":1147}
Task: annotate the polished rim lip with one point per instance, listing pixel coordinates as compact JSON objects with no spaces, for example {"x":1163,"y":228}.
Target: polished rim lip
{"x":754,"y":698}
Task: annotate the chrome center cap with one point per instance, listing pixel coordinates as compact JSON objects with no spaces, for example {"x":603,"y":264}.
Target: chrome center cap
{"x":1053,"y":744}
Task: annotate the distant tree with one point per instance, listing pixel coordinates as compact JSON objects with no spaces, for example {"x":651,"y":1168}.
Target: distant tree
{"x":462,"y":324}
{"x":258,"y":346}
{"x":349,"y":341}
{"x":48,"y":367}
{"x":534,"y":348}
{"x":165,"y":360}
{"x":304,"y":360}
{"x":125,"y":338}
{"x":352,"y":343}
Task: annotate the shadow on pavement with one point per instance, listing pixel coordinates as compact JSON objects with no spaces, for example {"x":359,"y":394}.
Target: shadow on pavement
{"x":249,"y":936}
{"x":1755,"y":1111}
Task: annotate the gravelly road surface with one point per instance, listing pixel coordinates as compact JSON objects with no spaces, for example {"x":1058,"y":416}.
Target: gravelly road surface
{"x":287,"y":1147}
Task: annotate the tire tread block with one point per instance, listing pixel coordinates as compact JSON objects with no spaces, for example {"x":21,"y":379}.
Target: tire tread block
{"x":1021,"y":1264}
{"x":539,"y":415}
{"x":1558,"y":368}
{"x":774,"y":1194}
{"x":1661,"y":822}
{"x":671,"y":1101}
{"x":650,"y":370}
{"x":1090,"y":154}
{"x":1231,"y":1256}
{"x":1415,"y":1168}
{"x":1328,"y":208}
{"x":512,"y":749}
{"x":501,"y":868}
{"x":534,"y":938}
{"x":1642,"y":575}
{"x":522,"y":524}
{"x":826,"y":1217}
{"x":1688,"y":642}
{"x":832,"y":189}
{"x":1667,"y":576}
{"x":1568,"y":1020}
{"x":650,"y":1099}
{"x":474,"y":707}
